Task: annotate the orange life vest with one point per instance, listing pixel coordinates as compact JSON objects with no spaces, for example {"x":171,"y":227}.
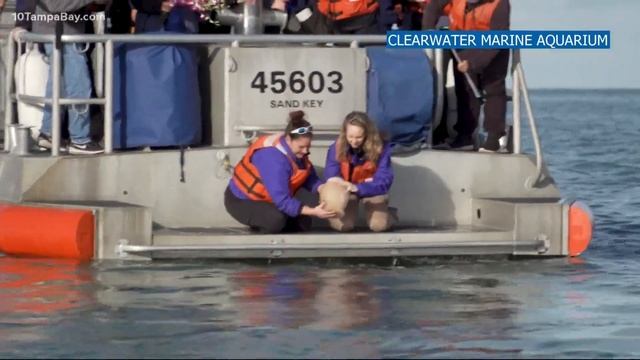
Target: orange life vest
{"x":360,"y":172}
{"x":346,"y":9}
{"x":447,"y":9}
{"x":479,"y":18}
{"x":247,"y":177}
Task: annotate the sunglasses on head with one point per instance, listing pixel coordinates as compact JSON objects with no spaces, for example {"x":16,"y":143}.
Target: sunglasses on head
{"x":302,"y":130}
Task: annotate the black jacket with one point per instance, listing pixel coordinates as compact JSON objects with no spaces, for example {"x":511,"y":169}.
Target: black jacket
{"x":151,"y":19}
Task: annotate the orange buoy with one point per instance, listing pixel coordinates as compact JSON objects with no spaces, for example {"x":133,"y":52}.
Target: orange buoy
{"x":46,"y":232}
{"x":580,"y":228}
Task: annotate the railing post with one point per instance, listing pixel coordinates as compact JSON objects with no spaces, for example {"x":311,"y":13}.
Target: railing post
{"x":56,"y":73}
{"x":108,"y":98}
{"x":532,"y":181}
{"x":8,"y":87}
{"x":517,"y":122}
{"x":252,"y":17}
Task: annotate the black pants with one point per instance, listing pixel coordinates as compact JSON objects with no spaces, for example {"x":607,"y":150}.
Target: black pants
{"x":492,"y":81}
{"x":262,"y":216}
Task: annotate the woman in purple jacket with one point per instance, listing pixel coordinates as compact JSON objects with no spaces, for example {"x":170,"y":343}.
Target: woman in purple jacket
{"x":261,"y":192}
{"x":361,"y":160}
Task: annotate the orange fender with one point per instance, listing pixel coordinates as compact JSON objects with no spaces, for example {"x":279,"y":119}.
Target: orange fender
{"x":580,"y":228}
{"x":46,"y":232}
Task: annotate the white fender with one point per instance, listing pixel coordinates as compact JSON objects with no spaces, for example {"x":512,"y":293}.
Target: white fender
{"x":31,"y":75}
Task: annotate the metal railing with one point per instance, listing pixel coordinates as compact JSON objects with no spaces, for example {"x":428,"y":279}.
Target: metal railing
{"x":107,"y":62}
{"x":521,"y":93}
{"x":104,"y":87}
{"x":3,"y":69}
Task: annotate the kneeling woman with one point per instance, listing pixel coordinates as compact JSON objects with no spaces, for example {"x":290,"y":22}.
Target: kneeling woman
{"x":261,"y":192}
{"x":361,"y":160}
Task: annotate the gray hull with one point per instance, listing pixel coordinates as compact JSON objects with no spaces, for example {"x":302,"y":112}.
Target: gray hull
{"x":148,"y":205}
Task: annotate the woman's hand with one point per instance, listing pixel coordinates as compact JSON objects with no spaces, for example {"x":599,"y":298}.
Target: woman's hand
{"x":318,"y":211}
{"x":349,"y":186}
{"x":166,"y":6}
{"x":279,"y":5}
{"x":463,"y":66}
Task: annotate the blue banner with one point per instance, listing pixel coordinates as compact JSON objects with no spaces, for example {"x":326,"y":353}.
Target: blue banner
{"x":439,"y":39}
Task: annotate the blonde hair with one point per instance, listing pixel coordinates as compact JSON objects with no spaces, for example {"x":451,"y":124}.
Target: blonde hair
{"x":372,"y":145}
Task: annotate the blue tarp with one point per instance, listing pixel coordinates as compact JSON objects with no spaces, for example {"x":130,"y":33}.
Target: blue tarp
{"x":156,"y":96}
{"x":400,"y":93}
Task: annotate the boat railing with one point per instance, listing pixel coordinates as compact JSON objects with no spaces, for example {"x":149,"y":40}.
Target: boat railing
{"x":3,"y":69}
{"x":104,"y":69}
{"x":521,"y":93}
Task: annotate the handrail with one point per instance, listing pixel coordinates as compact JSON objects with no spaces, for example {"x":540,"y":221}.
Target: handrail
{"x":520,"y":85}
{"x":208,"y":39}
{"x":8,"y":83}
{"x":532,"y":182}
{"x":316,"y":128}
{"x":40,"y":100}
{"x":110,"y":39}
{"x":519,"y":88}
{"x":517,"y":140}
{"x":255,"y":129}
{"x":3,"y":69}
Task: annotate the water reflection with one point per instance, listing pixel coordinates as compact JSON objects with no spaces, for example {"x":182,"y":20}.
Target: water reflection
{"x":333,"y":299}
{"x":445,"y":309}
{"x":43,"y":287}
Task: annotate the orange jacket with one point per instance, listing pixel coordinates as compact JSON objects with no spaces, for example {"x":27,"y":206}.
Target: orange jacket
{"x":478,"y":18}
{"x":346,"y":9}
{"x":247,"y":177}
{"x":360,"y":172}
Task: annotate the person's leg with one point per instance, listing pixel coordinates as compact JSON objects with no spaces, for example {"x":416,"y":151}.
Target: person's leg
{"x":77,"y":84}
{"x":371,"y":26}
{"x":495,"y":108}
{"x":377,"y":212}
{"x":468,"y":106}
{"x":45,"y":129}
{"x":258,"y":215}
{"x":348,"y":221}
{"x":297,"y":224}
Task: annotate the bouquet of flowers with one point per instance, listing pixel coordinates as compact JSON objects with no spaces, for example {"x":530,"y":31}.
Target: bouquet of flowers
{"x":204,"y":7}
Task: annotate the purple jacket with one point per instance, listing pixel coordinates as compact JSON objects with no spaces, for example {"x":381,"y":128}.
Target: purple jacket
{"x":382,"y":179}
{"x":275,"y":170}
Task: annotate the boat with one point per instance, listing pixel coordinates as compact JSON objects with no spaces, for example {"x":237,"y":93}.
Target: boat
{"x":168,"y":203}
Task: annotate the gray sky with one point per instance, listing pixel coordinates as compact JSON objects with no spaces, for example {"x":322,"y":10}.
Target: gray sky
{"x":613,"y":68}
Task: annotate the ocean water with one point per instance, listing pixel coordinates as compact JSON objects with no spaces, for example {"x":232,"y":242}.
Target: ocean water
{"x":457,"y":307}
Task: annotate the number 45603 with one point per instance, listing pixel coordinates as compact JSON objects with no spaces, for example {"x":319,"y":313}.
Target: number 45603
{"x":298,"y":82}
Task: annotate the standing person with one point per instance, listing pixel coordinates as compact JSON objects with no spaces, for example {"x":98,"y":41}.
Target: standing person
{"x":24,"y":6}
{"x":76,"y":79}
{"x":120,"y":17}
{"x":165,"y":15}
{"x":361,"y":160}
{"x":261,"y":192}
{"x":487,"y":68}
{"x":341,"y":17}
